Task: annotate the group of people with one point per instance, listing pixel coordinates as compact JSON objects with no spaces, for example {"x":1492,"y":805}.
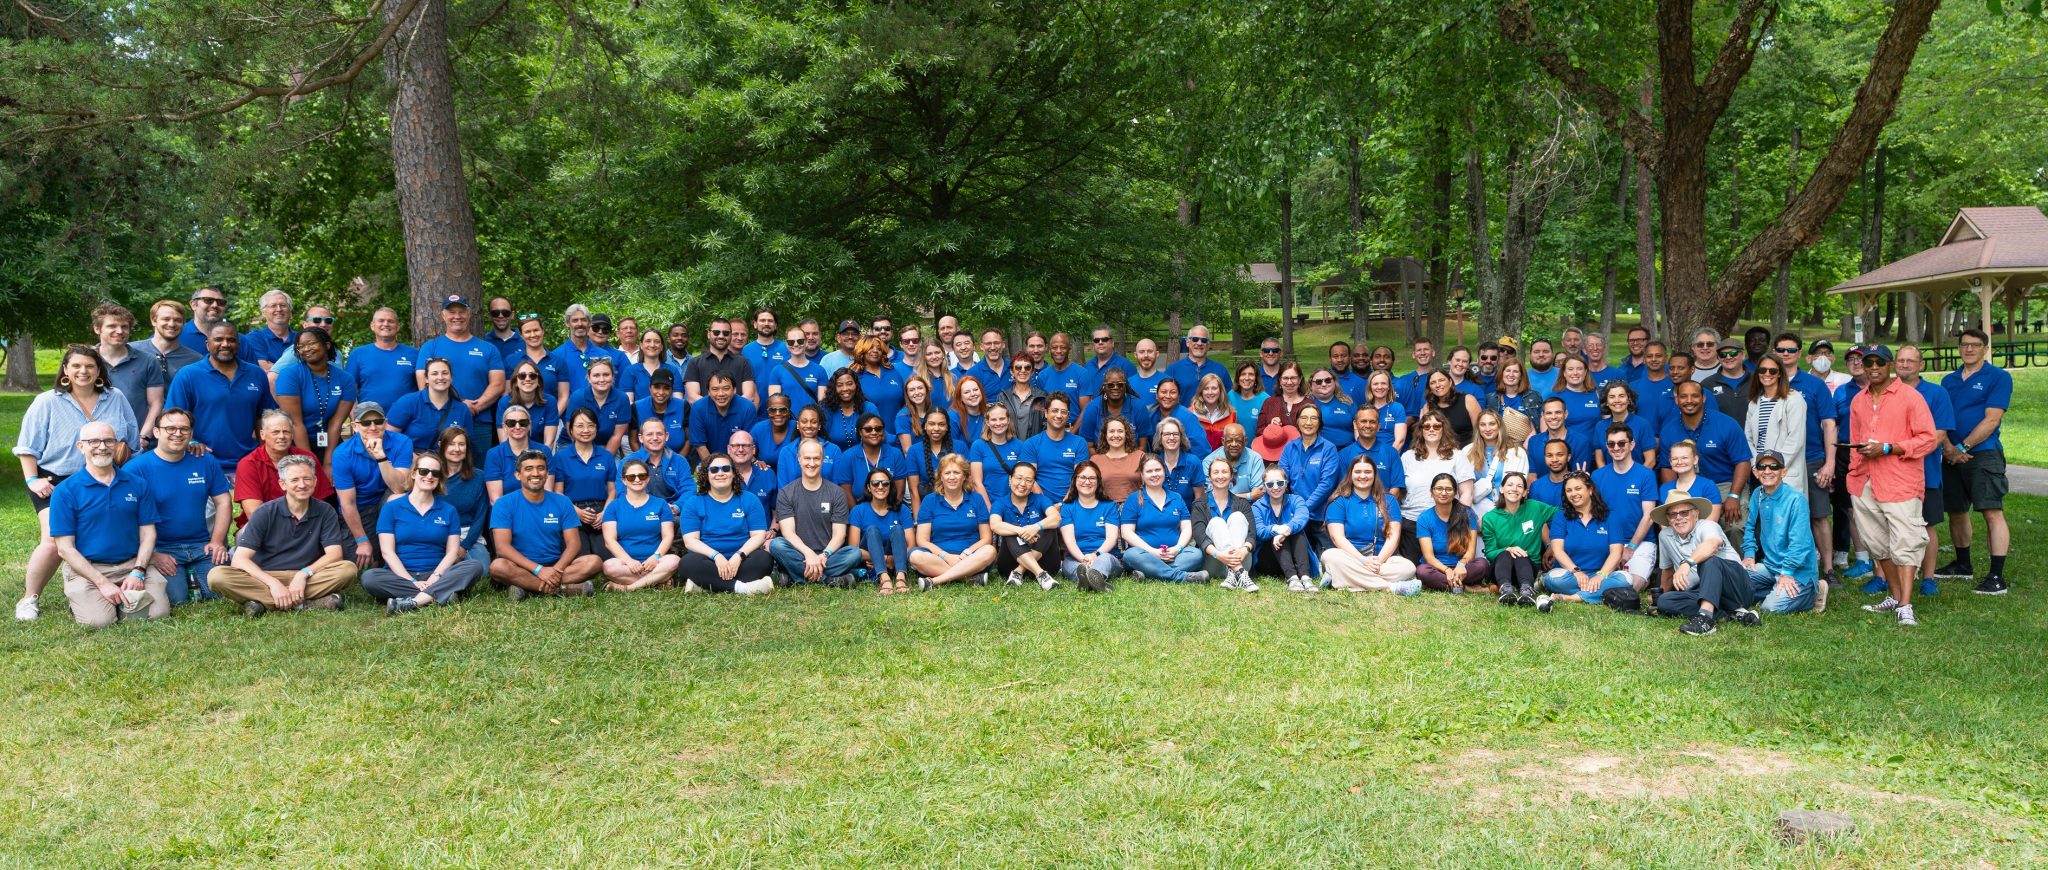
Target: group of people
{"x":269,"y":468}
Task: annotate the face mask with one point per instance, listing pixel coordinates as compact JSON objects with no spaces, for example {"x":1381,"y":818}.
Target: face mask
{"x":1821,"y":365}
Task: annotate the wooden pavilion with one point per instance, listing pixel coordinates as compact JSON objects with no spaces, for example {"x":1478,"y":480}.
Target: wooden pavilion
{"x":1996,"y":254}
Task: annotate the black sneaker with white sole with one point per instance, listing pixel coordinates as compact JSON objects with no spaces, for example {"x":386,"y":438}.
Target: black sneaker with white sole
{"x":1507,"y":595}
{"x":1952,"y":571}
{"x":1746,"y":616}
{"x":1700,"y":625}
{"x":1992,"y":585}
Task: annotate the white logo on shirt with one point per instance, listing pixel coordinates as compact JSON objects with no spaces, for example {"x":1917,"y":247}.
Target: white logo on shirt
{"x":739,"y":513}
{"x":550,"y":520}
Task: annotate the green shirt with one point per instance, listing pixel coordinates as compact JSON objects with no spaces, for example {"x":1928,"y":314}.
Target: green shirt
{"x":1500,"y":530}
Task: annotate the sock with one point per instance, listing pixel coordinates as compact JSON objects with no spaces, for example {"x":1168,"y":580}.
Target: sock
{"x":1998,"y":566}
{"x":1862,"y":555}
{"x":1841,"y":558}
{"x":1963,"y":558}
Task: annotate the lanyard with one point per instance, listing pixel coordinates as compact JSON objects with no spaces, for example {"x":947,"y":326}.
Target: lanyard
{"x":321,"y":384}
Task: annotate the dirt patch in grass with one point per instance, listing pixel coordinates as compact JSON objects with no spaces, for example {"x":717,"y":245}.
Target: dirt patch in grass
{"x":1563,"y":773}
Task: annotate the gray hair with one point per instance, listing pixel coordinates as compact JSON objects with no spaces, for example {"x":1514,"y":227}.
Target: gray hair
{"x":293,"y":461}
{"x":272,"y":414}
{"x":265,"y":298}
{"x":1707,"y":330}
{"x":574,"y":309}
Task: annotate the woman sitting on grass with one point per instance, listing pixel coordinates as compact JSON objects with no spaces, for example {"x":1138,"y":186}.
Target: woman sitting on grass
{"x":953,"y":541}
{"x":1365,"y":536}
{"x":881,"y":526}
{"x":1090,"y":528}
{"x":1280,"y":521}
{"x":1449,"y":538}
{"x":725,"y":534}
{"x":1158,"y":530}
{"x":1026,"y":526}
{"x":1585,"y":556}
{"x":639,"y":531}
{"x":1516,"y":532}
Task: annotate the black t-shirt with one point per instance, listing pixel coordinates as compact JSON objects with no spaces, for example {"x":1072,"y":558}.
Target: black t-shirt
{"x":288,"y":543}
{"x":704,"y":365}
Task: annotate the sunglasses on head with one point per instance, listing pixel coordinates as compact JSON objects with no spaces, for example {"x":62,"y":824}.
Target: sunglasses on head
{"x":526,"y":317}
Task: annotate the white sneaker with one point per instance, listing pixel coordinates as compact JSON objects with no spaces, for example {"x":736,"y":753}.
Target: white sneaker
{"x":27,"y":609}
{"x":1047,"y":582}
{"x":1294,"y":584}
{"x":758,"y":587}
{"x":1906,"y":615}
{"x":1016,"y":578}
{"x":1244,"y":582}
{"x":1888,"y":605}
{"x":689,"y":586}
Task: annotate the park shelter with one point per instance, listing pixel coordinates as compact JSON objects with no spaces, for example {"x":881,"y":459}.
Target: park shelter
{"x":1999,"y":255}
{"x":1392,"y":282}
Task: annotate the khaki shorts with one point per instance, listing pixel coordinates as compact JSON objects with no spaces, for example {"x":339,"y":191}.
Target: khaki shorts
{"x":1893,"y":530}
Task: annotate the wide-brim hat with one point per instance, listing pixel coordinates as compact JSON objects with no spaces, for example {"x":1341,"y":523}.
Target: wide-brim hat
{"x":1679,"y":497}
{"x":1272,"y":440}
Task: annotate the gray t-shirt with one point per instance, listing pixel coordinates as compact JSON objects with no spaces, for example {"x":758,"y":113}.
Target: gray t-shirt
{"x":288,"y":543}
{"x":815,"y":512}
{"x":1672,"y":549}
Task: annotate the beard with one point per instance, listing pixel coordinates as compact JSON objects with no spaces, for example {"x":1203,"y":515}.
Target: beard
{"x":101,"y":460}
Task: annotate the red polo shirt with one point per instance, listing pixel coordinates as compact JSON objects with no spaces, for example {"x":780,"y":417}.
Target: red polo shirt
{"x":256,"y":477}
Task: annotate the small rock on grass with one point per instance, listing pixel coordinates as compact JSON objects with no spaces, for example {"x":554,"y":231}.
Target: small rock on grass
{"x":1801,"y":825}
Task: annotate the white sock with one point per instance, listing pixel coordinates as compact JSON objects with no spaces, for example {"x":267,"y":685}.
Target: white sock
{"x":1862,"y":555}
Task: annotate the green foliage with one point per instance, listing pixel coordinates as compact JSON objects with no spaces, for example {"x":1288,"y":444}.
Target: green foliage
{"x":1253,"y":328}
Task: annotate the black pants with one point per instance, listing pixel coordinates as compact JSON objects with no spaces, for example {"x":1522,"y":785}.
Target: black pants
{"x":699,"y":569}
{"x":1515,"y":572}
{"x":1411,"y":546}
{"x":1292,"y":556}
{"x":1010,"y":547}
{"x":1722,"y":583}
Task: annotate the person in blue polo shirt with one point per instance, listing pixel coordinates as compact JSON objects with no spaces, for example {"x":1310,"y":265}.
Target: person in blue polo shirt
{"x":954,"y":542}
{"x":1062,"y":373}
{"x":797,"y":376}
{"x":183,"y":485}
{"x":1055,"y":451}
{"x":421,"y":539}
{"x":1102,"y":342}
{"x":714,"y":418}
{"x":639,"y":532}
{"x":535,"y":535}
{"x":1723,"y":452}
{"x":1158,"y":530}
{"x":669,"y":475}
{"x":1188,"y":370}
{"x":422,"y":415}
{"x":263,"y":345}
{"x":609,"y":406}
{"x":209,"y":309}
{"x":225,"y":396}
{"x":315,"y":392}
{"x":501,"y":462}
{"x":1629,"y":490}
{"x":725,"y":534}
{"x":384,"y":370}
{"x":479,"y":369}
{"x":1974,"y":478}
{"x":663,"y":406}
{"x":765,"y":352}
{"x":1585,"y":553}
{"x":366,"y":467}
{"x":104,"y":522}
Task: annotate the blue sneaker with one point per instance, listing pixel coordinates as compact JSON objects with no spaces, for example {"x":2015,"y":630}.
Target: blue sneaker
{"x":1928,"y":586}
{"x":1875,"y":586}
{"x":1862,"y":568}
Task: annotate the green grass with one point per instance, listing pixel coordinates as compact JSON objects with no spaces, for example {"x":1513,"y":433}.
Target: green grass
{"x":1150,"y":726}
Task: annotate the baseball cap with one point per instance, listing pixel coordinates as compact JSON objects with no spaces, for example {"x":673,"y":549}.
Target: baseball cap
{"x":1729,"y":344}
{"x":1877,"y":351}
{"x":453,"y":299}
{"x":364,"y":409}
{"x":600,"y":320}
{"x":848,"y":326}
{"x":1820,"y":344}
{"x":1771,"y":455}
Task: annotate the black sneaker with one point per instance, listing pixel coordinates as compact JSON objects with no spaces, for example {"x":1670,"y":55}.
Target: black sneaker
{"x":397,"y":606}
{"x":254,"y":609}
{"x":1746,"y":616}
{"x":1700,"y":625}
{"x":1526,"y":599}
{"x":1992,"y":585}
{"x":1952,"y":571}
{"x":1507,"y":595}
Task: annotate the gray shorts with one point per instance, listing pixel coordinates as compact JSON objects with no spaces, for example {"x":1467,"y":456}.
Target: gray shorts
{"x":1976,"y":484}
{"x":1820,"y":503}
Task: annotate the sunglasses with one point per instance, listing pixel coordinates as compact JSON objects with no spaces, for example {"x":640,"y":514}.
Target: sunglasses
{"x":638,"y":476}
{"x":1194,"y":340}
{"x":526,"y":376}
{"x":517,"y":424}
{"x":1269,"y":350}
{"x":1792,"y":349}
{"x":501,"y":312}
{"x":320,"y":321}
{"x":718,"y":469}
{"x":1770,"y":468}
{"x":1099,"y":339}
{"x":1432,"y":425}
{"x":1730,"y":354}
{"x":718,"y":332}
{"x":600,"y":327}
{"x":1322,"y":381}
{"x":370,"y":421}
{"x":882,"y":483}
{"x":1611,"y":445}
{"x":209,"y":300}
{"x":426,"y":472}
{"x":526,"y":317}
{"x":870,"y":428}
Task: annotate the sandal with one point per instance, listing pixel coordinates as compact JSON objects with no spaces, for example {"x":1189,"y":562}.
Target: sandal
{"x":886,"y":589}
{"x":902,"y":585}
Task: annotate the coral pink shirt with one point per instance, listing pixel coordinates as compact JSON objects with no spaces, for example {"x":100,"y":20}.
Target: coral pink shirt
{"x":1897,"y":416}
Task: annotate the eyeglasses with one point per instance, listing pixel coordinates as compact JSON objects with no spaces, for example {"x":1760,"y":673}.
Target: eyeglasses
{"x":175,"y":430}
{"x":1792,"y":349}
{"x":1702,"y":344}
{"x":718,"y":469}
{"x":1730,"y":353}
{"x":501,"y":312}
{"x":320,"y":321}
{"x":637,"y":476}
{"x":420,"y":471}
{"x":517,"y":424}
{"x":99,"y":442}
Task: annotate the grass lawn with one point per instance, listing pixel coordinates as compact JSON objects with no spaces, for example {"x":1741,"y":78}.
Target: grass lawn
{"x":1150,"y":726}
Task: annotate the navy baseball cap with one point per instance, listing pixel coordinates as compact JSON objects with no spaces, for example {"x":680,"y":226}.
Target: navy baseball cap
{"x":453,"y":299}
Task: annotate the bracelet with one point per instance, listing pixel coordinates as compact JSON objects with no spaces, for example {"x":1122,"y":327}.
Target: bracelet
{"x":136,"y":573}
{"x":362,"y":540}
{"x":536,"y":569}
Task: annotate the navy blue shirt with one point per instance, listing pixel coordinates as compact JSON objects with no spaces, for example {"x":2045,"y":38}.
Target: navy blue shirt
{"x":420,"y":537}
{"x":844,"y":429}
{"x":106,"y":519}
{"x":536,"y":528}
{"x":1719,"y":439}
{"x":320,"y":396}
{"x":712,"y":430}
{"x":181,"y":490}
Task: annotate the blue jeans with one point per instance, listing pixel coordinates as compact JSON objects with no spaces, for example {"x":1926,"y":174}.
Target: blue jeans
{"x":1763,"y":586}
{"x":1110,"y":566}
{"x":881,"y":546}
{"x":838,"y":563}
{"x":193,"y":563}
{"x":1148,"y":563}
{"x":1561,"y":582}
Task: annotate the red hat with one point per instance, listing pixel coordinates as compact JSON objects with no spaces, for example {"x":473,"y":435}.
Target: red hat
{"x":1273,"y":439}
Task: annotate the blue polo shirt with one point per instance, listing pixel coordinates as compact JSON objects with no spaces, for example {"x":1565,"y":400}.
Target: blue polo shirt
{"x":1437,"y":530}
{"x":106,"y":519}
{"x":224,"y":412}
{"x":996,"y":461}
{"x":1654,"y":400}
{"x":1140,"y":417}
{"x":954,"y":527}
{"x":1032,"y":513}
{"x":1820,"y":405}
{"x":761,"y":483}
{"x":508,"y":347}
{"x":675,"y":418}
{"x":550,"y":374}
{"x":723,"y":525}
{"x":471,"y":361}
{"x":1184,"y":476}
{"x":634,"y":379}
{"x":1188,"y":375}
{"x":1719,"y":439}
{"x":262,"y":345}
{"x":1092,"y":525}
{"x":867,"y":519}
{"x":180,"y":490}
{"x":536,"y":528}
{"x":991,"y":382}
{"x":921,"y":462}
{"x":764,"y":358}
{"x":1391,"y":472}
{"x":844,"y":429}
{"x":381,"y":376}
{"x":1157,"y":524}
{"x":1337,"y":416}
{"x":1364,"y":520}
{"x":1970,"y":397}
{"x":1349,"y":382}
{"x":1546,"y":491}
{"x":415,"y":415}
{"x":541,"y":416}
{"x":614,"y":410}
{"x":583,"y":479}
{"x":1944,"y":413}
{"x":1642,"y":428}
{"x":574,"y":363}
{"x":853,"y":466}
{"x":1144,"y":388}
{"x":502,"y":465}
{"x":767,"y":446}
{"x":1474,"y":389}
{"x":800,"y":383}
{"x":1581,"y":449}
{"x":1074,"y":380}
{"x":712,"y":430}
{"x":1586,"y":540}
{"x":421,"y":537}
{"x":1624,"y":495}
{"x":190,"y":337}
{"x":353,"y":468}
{"x":1701,"y":487}
{"x":639,"y":528}
{"x":1055,"y":461}
{"x":1097,"y":368}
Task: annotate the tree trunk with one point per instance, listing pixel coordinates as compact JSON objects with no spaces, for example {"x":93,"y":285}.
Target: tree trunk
{"x":1486,"y":280}
{"x":1781,"y":312}
{"x":1646,"y":239}
{"x":1439,"y":290}
{"x":1286,"y":264}
{"x":1186,"y":213}
{"x":21,"y":365}
{"x":426,"y":159}
{"x":1361,"y":288}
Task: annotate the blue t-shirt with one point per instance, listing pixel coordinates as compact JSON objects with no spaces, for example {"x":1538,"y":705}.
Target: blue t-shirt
{"x":574,"y":364}
{"x":991,"y":382}
{"x":381,"y":376}
{"x":1719,"y":440}
{"x":320,"y":396}
{"x":634,"y":379}
{"x":1586,"y":540}
{"x":1969,"y":398}
{"x":181,"y":490}
{"x":1820,"y":405}
{"x":1545,"y":381}
{"x":996,"y":462}
{"x":953,"y":527}
{"x":1092,"y":525}
{"x":1364,"y":521}
{"x":1624,"y":495}
{"x":723,"y":525}
{"x":767,"y":446}
{"x":1944,"y":421}
{"x":583,"y":479}
{"x":536,"y":528}
{"x":1546,"y":491}
{"x":1055,"y":461}
{"x":502,"y":465}
{"x":1145,"y":388}
{"x":471,"y":361}
{"x":853,"y":466}
{"x":639,"y":528}
{"x":885,"y":390}
{"x":420,"y":537}
{"x":1579,"y":444}
{"x":711,"y":429}
{"x":1437,"y":530}
{"x":415,"y":415}
{"x":105,"y":518}
{"x":1157,"y":524}
{"x":354,"y":469}
{"x":1139,"y":417}
{"x":224,"y":412}
{"x":1337,"y":416}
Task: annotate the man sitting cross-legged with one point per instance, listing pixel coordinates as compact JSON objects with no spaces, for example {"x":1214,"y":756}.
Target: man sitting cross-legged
{"x":538,"y":539}
{"x":296,"y":538}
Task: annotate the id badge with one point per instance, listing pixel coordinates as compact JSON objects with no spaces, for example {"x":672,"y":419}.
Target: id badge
{"x":320,"y":439}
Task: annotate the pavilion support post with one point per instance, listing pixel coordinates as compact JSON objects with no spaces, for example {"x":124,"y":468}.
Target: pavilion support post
{"x":1986,"y":291}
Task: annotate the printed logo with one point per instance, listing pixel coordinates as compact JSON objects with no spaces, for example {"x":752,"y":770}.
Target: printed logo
{"x":550,"y":520}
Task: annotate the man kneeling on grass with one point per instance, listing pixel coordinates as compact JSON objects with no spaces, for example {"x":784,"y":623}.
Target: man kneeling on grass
{"x":1777,"y":543}
{"x":1706,"y":581}
{"x":104,"y":523}
{"x":538,"y":538}
{"x":294,"y":537}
